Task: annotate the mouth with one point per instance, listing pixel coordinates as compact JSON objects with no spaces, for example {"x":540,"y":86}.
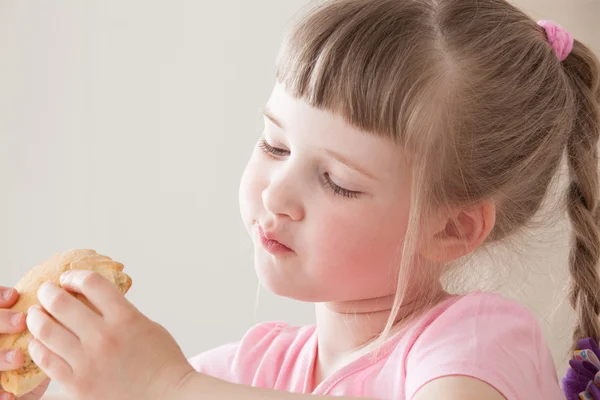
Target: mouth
{"x":271,"y":244}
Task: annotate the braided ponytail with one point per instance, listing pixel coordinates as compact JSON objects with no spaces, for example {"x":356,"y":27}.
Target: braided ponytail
{"x":583,"y":70}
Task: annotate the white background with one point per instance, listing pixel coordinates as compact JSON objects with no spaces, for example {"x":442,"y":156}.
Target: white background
{"x":125,"y":127}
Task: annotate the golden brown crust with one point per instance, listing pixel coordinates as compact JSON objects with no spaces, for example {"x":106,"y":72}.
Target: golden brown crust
{"x":29,"y":376}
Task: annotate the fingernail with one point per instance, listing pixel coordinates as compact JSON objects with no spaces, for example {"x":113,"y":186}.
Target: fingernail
{"x":36,"y":307}
{"x":7,"y":294}
{"x":16,"y":319}
{"x":10,"y":356}
{"x":6,"y":396}
{"x":65,"y":275}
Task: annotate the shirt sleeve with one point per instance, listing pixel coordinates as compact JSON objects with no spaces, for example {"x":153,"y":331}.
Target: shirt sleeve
{"x":237,"y":362}
{"x":216,"y":362}
{"x":489,"y":338}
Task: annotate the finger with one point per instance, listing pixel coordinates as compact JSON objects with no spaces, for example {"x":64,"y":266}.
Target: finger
{"x":8,"y":297}
{"x":11,"y":359}
{"x":70,"y":312}
{"x":99,"y":291}
{"x":11,"y":322}
{"x":53,"y":365}
{"x":39,"y":391}
{"x":54,"y":336}
{"x":6,"y":396}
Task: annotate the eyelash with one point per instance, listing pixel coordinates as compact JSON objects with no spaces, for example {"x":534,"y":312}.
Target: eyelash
{"x":337,"y":190}
{"x":267,"y":148}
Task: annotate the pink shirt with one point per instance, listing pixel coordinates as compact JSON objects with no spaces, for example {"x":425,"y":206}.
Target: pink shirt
{"x":480,"y":335}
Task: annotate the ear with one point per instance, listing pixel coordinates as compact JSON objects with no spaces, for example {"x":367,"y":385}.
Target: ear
{"x":458,"y":232}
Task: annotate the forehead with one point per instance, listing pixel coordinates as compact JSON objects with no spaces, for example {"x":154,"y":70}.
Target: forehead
{"x":307,"y":126}
{"x":296,"y":114}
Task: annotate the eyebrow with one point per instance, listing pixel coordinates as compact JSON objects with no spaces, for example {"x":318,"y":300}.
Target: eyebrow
{"x":267,"y":113}
{"x":347,"y":163}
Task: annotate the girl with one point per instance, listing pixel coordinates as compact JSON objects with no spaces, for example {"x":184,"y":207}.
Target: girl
{"x":401,"y":136}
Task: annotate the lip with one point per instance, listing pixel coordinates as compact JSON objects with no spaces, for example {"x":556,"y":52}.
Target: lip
{"x":271,"y":244}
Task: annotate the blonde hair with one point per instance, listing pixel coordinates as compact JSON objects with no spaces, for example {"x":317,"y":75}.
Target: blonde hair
{"x":475,"y":93}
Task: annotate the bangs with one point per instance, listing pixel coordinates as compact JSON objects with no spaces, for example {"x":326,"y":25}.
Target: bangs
{"x":361,"y":60}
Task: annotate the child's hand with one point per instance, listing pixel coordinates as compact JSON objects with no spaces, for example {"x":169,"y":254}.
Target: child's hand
{"x":119,"y":354}
{"x":11,"y":322}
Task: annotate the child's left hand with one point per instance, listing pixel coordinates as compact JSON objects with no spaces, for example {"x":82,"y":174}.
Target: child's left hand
{"x":117,"y":355}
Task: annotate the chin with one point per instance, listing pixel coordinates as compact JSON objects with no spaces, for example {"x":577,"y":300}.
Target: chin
{"x":283,"y":280}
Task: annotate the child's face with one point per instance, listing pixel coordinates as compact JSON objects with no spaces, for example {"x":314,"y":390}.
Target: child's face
{"x":345,"y":246}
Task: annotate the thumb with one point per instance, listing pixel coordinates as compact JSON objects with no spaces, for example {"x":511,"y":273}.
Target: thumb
{"x":38,"y":392}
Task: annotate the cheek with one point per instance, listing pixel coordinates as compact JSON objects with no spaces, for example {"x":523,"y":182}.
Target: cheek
{"x":251,"y":186}
{"x":364,"y":250}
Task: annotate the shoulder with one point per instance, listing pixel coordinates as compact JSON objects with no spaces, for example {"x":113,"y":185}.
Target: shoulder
{"x":481,"y":318}
{"x":263,"y":346}
{"x":483,"y":314}
{"x":487,"y":337}
{"x":488,"y":312}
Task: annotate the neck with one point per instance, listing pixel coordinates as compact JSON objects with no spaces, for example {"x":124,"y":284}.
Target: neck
{"x":348,"y":330}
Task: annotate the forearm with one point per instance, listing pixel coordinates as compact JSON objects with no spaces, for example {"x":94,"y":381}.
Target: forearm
{"x":201,"y":387}
{"x":55,"y":396}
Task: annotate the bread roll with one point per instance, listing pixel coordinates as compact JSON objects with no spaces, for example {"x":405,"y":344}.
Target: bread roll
{"x":29,"y":376}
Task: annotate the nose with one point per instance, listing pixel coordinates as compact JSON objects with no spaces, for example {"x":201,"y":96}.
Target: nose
{"x":282,"y":197}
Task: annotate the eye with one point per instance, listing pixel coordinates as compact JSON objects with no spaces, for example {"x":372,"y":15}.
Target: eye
{"x":338,"y":190}
{"x":274,"y":151}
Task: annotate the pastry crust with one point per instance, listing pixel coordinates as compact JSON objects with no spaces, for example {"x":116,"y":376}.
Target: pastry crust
{"x":29,"y":376}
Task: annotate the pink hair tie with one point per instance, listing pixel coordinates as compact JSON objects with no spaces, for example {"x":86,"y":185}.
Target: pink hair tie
{"x":560,"y":40}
